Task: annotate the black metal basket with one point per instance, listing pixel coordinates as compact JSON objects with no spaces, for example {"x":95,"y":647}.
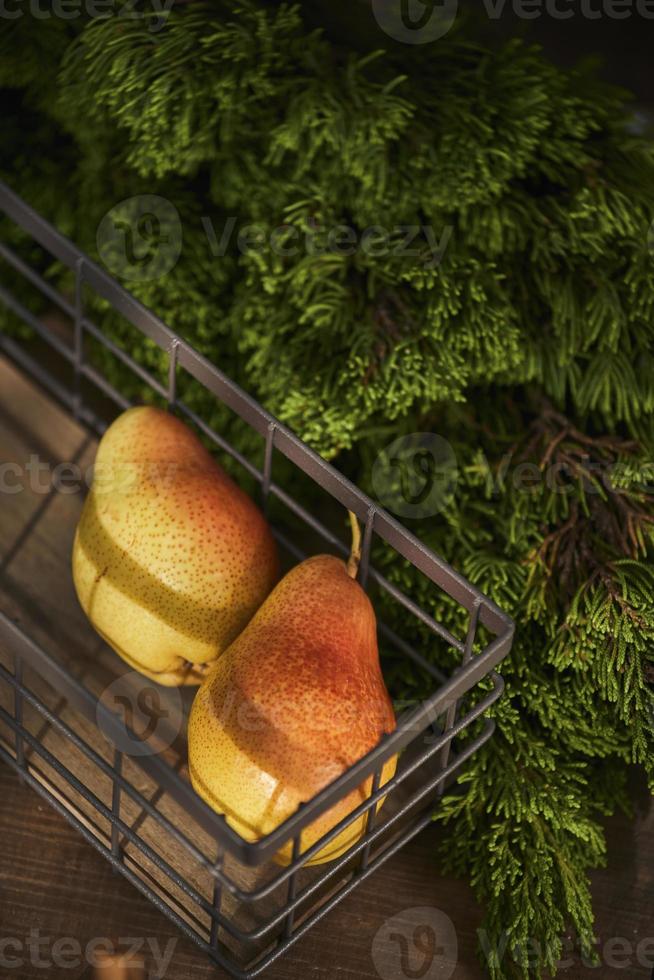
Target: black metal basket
{"x":140,"y":811}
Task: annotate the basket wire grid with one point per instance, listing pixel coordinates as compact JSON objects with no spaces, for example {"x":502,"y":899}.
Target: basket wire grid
{"x":227,"y":871}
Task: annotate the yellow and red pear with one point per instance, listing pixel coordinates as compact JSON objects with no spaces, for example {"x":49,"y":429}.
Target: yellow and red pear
{"x":296,"y":699}
{"x":171,"y":559}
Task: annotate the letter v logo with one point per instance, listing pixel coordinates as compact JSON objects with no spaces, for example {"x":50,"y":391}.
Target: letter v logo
{"x":415,"y":21}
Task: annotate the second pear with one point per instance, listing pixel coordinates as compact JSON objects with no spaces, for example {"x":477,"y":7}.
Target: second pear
{"x":296,"y":699}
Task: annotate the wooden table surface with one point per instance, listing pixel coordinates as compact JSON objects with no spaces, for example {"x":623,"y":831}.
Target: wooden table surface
{"x":54,"y":886}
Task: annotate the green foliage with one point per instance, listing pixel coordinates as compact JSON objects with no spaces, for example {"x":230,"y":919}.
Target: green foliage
{"x":526,"y":343}
{"x":557,"y":525}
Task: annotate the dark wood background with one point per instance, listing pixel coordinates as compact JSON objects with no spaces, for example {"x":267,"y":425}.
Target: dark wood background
{"x":53,"y":882}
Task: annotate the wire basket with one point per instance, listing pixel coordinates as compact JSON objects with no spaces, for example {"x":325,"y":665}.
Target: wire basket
{"x":67,"y":739}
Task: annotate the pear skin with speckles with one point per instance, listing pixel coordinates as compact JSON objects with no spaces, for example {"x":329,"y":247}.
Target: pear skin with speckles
{"x":171,"y":559}
{"x":297,"y":698}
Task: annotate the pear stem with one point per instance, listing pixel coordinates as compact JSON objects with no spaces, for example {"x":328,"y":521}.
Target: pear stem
{"x":355,"y":551}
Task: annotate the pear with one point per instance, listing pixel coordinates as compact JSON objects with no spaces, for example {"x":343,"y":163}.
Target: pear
{"x":296,"y":699}
{"x":171,"y":558}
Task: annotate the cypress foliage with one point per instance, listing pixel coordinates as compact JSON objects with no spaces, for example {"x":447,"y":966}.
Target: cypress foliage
{"x":526,"y":341}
